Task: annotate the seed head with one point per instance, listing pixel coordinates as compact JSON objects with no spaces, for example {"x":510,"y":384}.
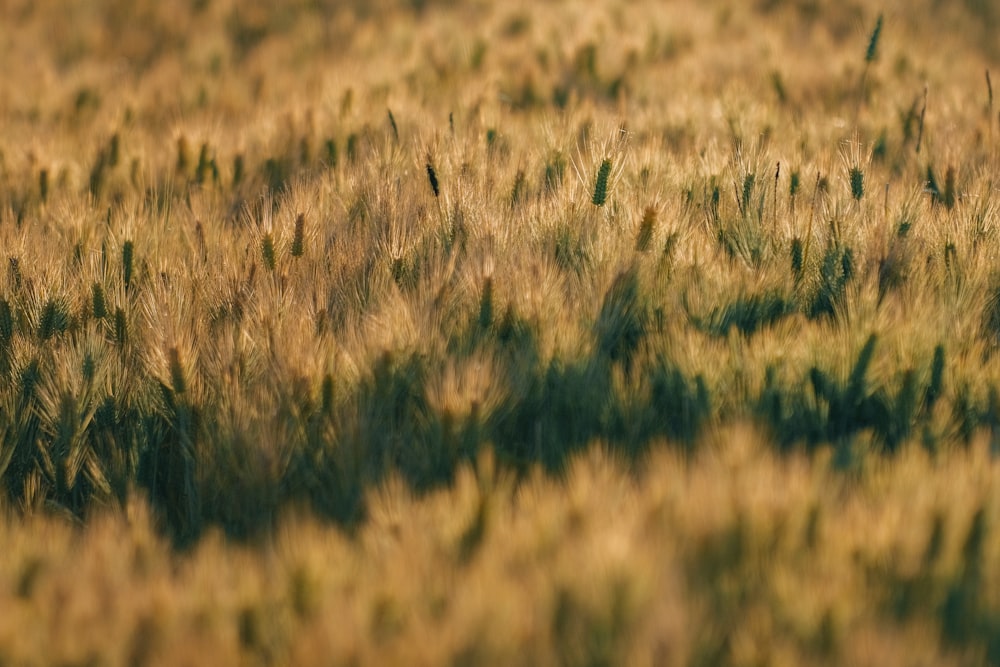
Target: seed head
{"x":872,"y":51}
{"x":601,"y":186}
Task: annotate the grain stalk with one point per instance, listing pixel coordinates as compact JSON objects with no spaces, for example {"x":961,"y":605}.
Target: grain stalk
{"x":395,"y":128}
{"x":432,"y":178}
{"x":609,"y":171}
{"x":989,"y":106}
{"x":777,"y":177}
{"x":871,"y":54}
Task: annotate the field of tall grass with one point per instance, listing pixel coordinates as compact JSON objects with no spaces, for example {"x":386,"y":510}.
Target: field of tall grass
{"x":433,"y":332}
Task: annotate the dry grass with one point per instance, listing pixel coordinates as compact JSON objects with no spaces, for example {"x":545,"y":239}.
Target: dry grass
{"x":444,"y":332}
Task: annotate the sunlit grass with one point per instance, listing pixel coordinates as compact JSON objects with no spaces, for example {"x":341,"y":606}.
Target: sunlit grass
{"x":644,"y":334}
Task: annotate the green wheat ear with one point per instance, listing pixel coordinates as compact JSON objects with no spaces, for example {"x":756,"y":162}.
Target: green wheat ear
{"x":121,"y":327}
{"x":798,"y":258}
{"x":298,"y":239}
{"x":6,"y":323}
{"x":267,"y":252}
{"x":872,"y":51}
{"x":857,"y":178}
{"x":601,"y":186}
{"x":432,"y":177}
{"x":53,"y":320}
{"x":100,"y":306}
{"x":392,"y":124}
{"x":127,"y":256}
{"x":794,"y":183}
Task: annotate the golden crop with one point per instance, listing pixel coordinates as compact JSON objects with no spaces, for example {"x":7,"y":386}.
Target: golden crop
{"x":499,"y":333}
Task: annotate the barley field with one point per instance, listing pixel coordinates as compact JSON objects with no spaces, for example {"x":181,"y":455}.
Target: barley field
{"x":471,"y":333}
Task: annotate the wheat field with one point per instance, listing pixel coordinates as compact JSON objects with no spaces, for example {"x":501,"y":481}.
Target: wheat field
{"x":439,"y":332}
